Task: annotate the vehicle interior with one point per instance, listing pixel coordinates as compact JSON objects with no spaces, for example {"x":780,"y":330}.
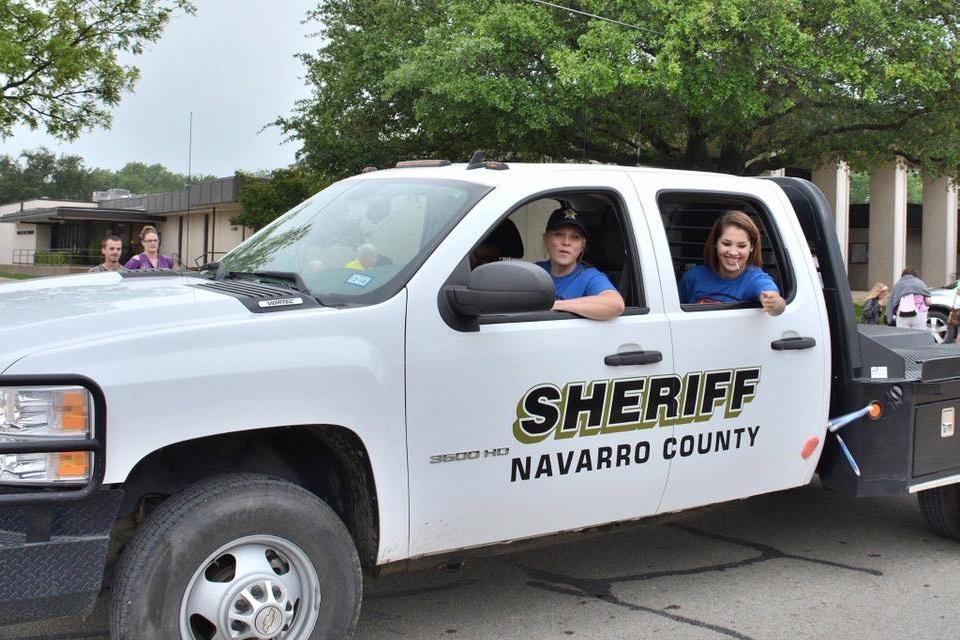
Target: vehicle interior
{"x":607,"y":246}
{"x":688,"y":218}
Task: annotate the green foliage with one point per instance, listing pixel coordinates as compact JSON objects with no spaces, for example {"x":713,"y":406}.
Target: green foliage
{"x":58,"y":59}
{"x":139,"y":177}
{"x":57,"y":257}
{"x":733,"y":85}
{"x":263,"y":200}
{"x":41,"y":174}
{"x":860,"y":187}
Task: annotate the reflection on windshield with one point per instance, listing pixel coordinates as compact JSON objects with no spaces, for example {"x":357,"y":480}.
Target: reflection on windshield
{"x":358,"y":237}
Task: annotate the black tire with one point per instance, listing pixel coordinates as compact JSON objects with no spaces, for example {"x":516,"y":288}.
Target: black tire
{"x":941,"y":509}
{"x":262,"y":525}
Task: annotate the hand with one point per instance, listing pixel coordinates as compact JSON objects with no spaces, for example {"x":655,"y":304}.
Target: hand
{"x":772,"y":302}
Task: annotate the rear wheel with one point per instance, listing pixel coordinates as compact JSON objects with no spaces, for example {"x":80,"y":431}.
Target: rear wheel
{"x":239,"y":556}
{"x":941,"y":509}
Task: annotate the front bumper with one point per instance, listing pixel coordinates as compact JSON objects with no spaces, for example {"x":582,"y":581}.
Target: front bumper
{"x":53,"y":556}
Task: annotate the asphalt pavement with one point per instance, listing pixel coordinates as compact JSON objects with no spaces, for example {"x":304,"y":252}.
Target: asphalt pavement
{"x":803,"y":564}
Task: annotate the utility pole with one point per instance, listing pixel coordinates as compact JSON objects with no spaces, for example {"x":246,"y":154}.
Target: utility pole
{"x":185,"y":251}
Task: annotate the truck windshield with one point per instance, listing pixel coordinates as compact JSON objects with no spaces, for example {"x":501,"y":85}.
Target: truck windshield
{"x":357,"y":241}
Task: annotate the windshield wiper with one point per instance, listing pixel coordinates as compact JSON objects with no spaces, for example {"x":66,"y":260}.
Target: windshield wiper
{"x":286,"y":279}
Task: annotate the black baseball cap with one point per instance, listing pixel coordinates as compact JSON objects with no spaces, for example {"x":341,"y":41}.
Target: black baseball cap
{"x":566,"y":216}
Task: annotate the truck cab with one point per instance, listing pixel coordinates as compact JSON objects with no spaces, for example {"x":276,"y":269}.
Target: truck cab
{"x":354,"y":390}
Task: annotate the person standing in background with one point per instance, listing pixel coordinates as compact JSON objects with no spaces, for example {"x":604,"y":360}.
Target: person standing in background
{"x":909,"y":300}
{"x":111,"y":247}
{"x":872,"y":306}
{"x":151,"y":258}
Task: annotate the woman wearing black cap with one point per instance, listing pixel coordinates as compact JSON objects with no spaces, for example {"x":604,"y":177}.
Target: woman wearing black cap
{"x":579,"y":289}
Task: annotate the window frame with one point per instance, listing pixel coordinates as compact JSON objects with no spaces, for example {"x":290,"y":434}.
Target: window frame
{"x":766,"y":222}
{"x":628,"y":241}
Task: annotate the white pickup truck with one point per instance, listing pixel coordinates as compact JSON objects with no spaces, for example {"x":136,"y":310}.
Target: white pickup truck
{"x":343,"y":394}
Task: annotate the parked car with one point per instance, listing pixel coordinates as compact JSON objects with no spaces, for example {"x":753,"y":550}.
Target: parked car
{"x":942,"y":301}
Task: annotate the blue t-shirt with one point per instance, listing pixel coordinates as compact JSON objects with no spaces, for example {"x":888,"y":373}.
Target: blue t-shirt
{"x":582,"y":281}
{"x":701,"y":284}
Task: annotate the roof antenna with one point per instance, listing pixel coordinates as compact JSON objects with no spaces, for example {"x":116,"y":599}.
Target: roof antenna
{"x":476,"y":160}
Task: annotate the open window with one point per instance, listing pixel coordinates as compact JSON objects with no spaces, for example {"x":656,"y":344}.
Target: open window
{"x":608,"y":239}
{"x":518,"y":235}
{"x":689,"y":216}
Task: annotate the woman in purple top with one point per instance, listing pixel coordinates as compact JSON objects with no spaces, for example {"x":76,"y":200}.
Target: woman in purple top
{"x":151,"y":258}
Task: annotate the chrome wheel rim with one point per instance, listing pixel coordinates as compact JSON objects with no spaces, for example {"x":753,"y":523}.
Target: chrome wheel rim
{"x":938,"y":327}
{"x":254,"y":588}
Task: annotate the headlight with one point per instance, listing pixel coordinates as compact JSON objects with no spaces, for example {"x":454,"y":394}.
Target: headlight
{"x":45,"y":415}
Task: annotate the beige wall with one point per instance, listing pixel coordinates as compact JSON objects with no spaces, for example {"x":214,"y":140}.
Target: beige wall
{"x":168,"y":236}
{"x":8,"y":240}
{"x":227,"y":236}
{"x":221,"y":236}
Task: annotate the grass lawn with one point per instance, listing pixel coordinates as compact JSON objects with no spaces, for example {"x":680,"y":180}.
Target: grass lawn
{"x":15,"y":276}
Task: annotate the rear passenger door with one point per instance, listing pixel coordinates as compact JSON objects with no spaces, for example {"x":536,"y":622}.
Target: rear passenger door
{"x":513,"y":430}
{"x":756,"y":387}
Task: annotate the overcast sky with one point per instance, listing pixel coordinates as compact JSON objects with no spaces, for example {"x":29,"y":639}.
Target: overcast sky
{"x":231,"y":64}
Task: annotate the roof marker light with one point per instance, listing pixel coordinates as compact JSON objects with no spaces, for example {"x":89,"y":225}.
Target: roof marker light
{"x":409,"y":164}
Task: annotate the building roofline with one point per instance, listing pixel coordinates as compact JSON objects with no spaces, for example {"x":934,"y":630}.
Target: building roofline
{"x":56,"y":215}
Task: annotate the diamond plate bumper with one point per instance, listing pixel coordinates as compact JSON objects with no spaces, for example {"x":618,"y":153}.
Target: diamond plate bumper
{"x":52,"y":556}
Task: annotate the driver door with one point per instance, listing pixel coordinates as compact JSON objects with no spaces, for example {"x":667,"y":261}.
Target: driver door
{"x":476,"y":475}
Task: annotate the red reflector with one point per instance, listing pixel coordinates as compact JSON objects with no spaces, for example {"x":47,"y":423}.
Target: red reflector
{"x":809,"y":447}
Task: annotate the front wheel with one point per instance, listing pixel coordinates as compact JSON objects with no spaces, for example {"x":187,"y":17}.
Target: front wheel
{"x":940,"y":507}
{"x":941,"y":330}
{"x":239,"y":556}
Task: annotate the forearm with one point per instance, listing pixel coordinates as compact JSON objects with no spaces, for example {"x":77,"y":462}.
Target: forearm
{"x":603,"y":306}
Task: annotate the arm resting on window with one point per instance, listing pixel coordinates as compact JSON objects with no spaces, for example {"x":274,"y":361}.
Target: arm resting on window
{"x":603,"y":306}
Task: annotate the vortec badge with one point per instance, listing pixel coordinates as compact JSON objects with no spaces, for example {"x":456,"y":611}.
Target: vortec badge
{"x":282,"y":302}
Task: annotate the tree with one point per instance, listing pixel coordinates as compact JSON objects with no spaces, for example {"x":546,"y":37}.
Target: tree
{"x":58,"y":59}
{"x":139,"y":177}
{"x":737,"y":86}
{"x":263,"y":199}
{"x":39,"y":173}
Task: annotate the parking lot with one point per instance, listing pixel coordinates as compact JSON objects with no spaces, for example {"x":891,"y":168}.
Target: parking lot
{"x":803,"y":563}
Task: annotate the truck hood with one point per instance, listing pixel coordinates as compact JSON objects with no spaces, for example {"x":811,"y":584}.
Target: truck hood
{"x":48,"y":313}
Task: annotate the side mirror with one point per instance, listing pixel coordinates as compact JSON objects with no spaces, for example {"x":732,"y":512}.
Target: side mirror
{"x":511,"y":286}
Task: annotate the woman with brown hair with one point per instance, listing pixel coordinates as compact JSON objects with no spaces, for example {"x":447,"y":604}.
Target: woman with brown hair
{"x":732,"y":272}
{"x":151,"y":258}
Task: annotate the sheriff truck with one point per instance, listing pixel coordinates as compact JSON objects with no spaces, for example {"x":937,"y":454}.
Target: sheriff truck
{"x":348,"y":392}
